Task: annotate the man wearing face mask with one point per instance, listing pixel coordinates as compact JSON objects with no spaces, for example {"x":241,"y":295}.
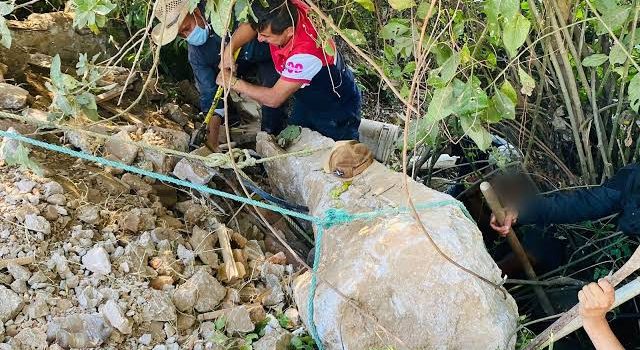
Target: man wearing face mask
{"x":204,"y":56}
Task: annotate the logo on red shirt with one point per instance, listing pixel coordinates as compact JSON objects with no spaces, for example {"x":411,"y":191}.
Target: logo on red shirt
{"x":294,"y":68}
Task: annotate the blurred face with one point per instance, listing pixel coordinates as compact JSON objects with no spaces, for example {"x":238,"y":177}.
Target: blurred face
{"x":191,"y":21}
{"x":267,"y":36}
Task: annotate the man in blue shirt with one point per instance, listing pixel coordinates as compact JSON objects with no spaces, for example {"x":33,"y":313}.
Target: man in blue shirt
{"x":204,"y":58}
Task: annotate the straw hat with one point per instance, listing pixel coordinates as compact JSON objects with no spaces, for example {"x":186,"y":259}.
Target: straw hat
{"x":348,"y":159}
{"x":171,"y":14}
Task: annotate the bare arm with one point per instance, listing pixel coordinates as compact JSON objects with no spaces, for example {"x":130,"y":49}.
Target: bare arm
{"x":595,"y":301}
{"x":272,"y":97}
{"x":240,"y":37}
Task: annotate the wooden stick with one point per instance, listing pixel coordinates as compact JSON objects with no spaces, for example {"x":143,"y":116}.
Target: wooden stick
{"x":495,"y":205}
{"x":27,"y":260}
{"x":227,"y":254}
{"x":559,"y":328}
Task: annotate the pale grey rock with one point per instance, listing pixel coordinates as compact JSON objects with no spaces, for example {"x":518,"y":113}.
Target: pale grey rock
{"x":97,"y":261}
{"x":111,"y":311}
{"x":387,"y":259}
{"x":121,"y":146}
{"x":51,"y":188}
{"x":30,"y":338}
{"x":89,"y":214}
{"x":12,"y":97}
{"x":10,"y":304}
{"x":158,"y":307}
{"x":79,"y":331}
{"x":37,"y":223}
{"x":202,"y":292}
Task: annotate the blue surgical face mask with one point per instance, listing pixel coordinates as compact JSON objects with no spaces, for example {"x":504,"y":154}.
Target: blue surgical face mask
{"x":198,"y":36}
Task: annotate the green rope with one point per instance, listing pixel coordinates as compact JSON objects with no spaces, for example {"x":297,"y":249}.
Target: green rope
{"x":331,"y":218}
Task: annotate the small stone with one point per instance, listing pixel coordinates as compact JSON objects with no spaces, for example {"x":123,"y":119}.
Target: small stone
{"x":195,"y":171}
{"x":111,"y":311}
{"x":25,"y":186}
{"x":185,"y":321}
{"x":161,"y":282}
{"x":79,"y":331}
{"x":275,"y":295}
{"x":185,"y":255}
{"x":294,"y":317}
{"x":202,"y":292}
{"x":57,"y":199}
{"x":145,"y":339}
{"x":89,"y":214}
{"x":253,"y":251}
{"x":51,"y":188}
{"x":158,"y":307}
{"x":277,"y":339}
{"x":238,"y":320}
{"x":19,"y":286}
{"x":37,"y":223}
{"x":97,"y":261}
{"x":136,"y":183}
{"x":203,"y":244}
{"x":19,"y":272}
{"x":12,"y":97}
{"x":10,"y":304}
{"x":121,"y":146}
{"x":278,"y":259}
{"x":39,"y":308}
{"x":30,"y":338}
{"x":51,"y":213}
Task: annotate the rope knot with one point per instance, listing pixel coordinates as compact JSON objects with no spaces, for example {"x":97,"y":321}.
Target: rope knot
{"x":334,"y":217}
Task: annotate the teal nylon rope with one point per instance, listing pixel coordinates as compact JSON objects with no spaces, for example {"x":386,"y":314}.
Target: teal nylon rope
{"x":331,"y":218}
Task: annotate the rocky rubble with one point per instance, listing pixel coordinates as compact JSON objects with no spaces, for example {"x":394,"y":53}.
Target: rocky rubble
{"x":124,"y":271}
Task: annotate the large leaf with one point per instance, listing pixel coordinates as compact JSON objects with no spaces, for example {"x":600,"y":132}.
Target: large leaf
{"x":401,"y":4}
{"x":420,"y":132}
{"x":441,"y":105}
{"x":355,"y":36}
{"x":502,"y":8}
{"x":219,"y":14}
{"x":508,"y":90}
{"x":515,"y":33}
{"x":472,"y":126}
{"x":614,"y":19}
{"x":634,"y":92}
{"x":423,"y":9}
{"x":504,"y":105}
{"x":595,"y":60}
{"x":617,"y":55}
{"x":20,"y":156}
{"x":450,"y":67}
{"x":527,"y":82}
{"x":367,"y":4}
{"x":469,"y":97}
{"x":56,"y":75}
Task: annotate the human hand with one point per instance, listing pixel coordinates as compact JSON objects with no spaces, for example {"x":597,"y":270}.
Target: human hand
{"x":226,"y":76}
{"x":227,"y":60}
{"x":595,"y":300}
{"x":510,"y":218}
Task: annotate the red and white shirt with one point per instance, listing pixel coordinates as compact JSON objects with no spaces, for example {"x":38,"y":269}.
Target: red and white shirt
{"x":301,"y":58}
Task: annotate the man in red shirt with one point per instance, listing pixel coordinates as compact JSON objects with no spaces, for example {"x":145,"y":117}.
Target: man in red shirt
{"x":326,"y":97}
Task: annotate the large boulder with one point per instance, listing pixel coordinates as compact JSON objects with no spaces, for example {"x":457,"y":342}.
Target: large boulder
{"x":389,"y":267}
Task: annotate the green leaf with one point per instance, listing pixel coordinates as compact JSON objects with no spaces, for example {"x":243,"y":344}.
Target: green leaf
{"x":502,"y":8}
{"x":409,"y":68}
{"x":5,"y":34}
{"x":617,"y":55}
{"x":465,"y":54}
{"x":595,"y":60}
{"x":218,"y":13}
{"x":20,"y":157}
{"x":328,"y":47}
{"x":401,"y":4}
{"x":367,"y":4}
{"x":423,"y":10}
{"x":614,"y":19}
{"x":508,"y":90}
{"x":450,"y":67}
{"x":515,"y":33}
{"x":421,"y":132}
{"x":527,"y":82}
{"x":471,"y":126}
{"x":491,"y":114}
{"x":504,"y":105}
{"x":220,"y":323}
{"x":355,"y":36}
{"x":634,"y":92}
{"x":441,"y":105}
{"x":469,"y":97}
{"x":55,"y":74}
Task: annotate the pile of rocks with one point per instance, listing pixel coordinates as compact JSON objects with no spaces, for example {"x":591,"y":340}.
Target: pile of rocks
{"x":127,"y":272}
